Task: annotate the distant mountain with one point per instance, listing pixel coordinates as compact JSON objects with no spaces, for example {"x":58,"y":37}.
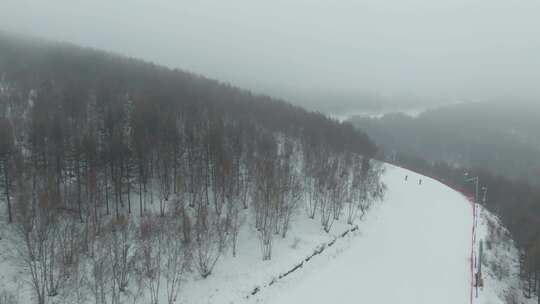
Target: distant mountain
{"x":501,"y":136}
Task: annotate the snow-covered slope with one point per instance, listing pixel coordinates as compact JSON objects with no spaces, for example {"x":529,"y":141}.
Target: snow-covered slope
{"x":414,"y":248}
{"x":500,"y":265}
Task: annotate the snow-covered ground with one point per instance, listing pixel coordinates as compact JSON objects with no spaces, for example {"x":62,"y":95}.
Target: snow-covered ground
{"x":500,"y":266}
{"x":412,"y":248}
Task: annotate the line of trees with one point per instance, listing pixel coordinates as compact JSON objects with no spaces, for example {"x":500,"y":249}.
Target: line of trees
{"x":120,"y":176}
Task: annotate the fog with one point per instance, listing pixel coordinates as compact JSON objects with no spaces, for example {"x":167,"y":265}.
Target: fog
{"x":313,"y":52}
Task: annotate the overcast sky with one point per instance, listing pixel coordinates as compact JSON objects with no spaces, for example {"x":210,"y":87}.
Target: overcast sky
{"x":435,"y":49}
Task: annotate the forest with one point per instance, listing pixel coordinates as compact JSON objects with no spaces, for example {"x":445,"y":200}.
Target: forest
{"x":118,"y":176}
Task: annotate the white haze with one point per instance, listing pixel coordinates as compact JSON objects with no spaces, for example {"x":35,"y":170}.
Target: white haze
{"x":322,"y":50}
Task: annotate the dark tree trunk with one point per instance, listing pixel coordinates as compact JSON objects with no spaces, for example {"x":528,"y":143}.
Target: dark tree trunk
{"x":8,"y":198}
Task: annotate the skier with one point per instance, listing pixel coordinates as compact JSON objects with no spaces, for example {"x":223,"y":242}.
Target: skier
{"x":406,"y":177}
{"x":420,"y":181}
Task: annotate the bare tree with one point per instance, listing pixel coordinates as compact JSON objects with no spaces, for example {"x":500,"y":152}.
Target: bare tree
{"x":340,"y":193}
{"x":165,"y":178}
{"x":265,"y":205}
{"x":310,"y":185}
{"x":235,"y":221}
{"x":150,"y":255}
{"x":100,"y":277}
{"x":28,"y":242}
{"x":176,"y":255}
{"x":366,"y":187}
{"x":207,"y":246}
{"x":290,"y":192}
{"x":327,"y":187}
{"x":6,"y":152}
{"x":353,"y":199}
{"x":122,"y":251}
{"x":42,"y":244}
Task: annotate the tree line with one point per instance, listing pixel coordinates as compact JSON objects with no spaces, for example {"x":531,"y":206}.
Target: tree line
{"x":120,"y":176}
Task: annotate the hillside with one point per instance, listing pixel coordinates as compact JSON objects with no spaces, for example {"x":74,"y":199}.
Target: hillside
{"x":74,"y":76}
{"x":122,"y":180}
{"x":502,"y":274}
{"x":412,"y":247}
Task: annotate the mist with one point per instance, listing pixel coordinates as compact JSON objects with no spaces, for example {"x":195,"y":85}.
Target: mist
{"x":315,"y":52}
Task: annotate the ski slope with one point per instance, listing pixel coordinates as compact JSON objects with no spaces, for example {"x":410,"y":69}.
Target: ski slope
{"x":414,"y":248}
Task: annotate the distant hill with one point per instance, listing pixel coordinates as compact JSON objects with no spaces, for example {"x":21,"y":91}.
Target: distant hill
{"x":501,"y":136}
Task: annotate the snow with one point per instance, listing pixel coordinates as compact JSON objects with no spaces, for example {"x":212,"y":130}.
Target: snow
{"x":500,"y":269}
{"x":234,"y":278}
{"x":412,"y":248}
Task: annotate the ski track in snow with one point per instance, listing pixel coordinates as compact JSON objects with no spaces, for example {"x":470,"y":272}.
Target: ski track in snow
{"x":415,"y":249}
